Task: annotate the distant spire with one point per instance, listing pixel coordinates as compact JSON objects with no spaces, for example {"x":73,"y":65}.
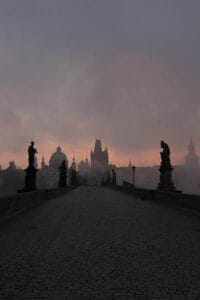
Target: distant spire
{"x":98,"y":147}
{"x":43,"y":162}
{"x":74,"y":164}
{"x":191,"y":147}
{"x":191,"y":159}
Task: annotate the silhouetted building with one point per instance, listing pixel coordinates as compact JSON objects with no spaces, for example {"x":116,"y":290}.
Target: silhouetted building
{"x":73,"y":177}
{"x":43,"y":164}
{"x":191,"y":159}
{"x":48,"y":176}
{"x":57,"y":158}
{"x":187,"y":176}
{"x":84,"y":168}
{"x":73,"y":166}
{"x":11,"y":166}
{"x":84,"y":172}
{"x":81,"y":167}
{"x":99,"y":162}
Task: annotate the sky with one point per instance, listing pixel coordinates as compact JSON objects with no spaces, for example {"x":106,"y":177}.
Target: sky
{"x":125,"y":71}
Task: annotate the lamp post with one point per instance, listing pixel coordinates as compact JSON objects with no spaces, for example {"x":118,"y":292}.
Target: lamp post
{"x":133,"y":174}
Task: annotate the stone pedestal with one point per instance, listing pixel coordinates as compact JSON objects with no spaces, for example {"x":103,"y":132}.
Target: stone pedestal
{"x":166,"y":183}
{"x":30,"y":179}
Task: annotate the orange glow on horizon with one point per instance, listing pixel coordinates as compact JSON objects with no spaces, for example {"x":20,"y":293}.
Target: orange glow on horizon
{"x":149,"y":157}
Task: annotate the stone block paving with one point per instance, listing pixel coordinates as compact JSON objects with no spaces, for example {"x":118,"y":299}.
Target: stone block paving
{"x":96,"y":243}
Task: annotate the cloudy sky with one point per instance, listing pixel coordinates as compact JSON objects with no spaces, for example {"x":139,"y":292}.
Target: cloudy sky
{"x":125,"y":71}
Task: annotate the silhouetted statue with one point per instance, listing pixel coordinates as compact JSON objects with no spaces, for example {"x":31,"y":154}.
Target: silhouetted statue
{"x":165,"y":169}
{"x":165,"y":155}
{"x":31,"y":155}
{"x":114,"y":177}
{"x":30,"y":178}
{"x":63,"y":174}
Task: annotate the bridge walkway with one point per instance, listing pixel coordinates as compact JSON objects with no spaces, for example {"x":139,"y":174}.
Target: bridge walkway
{"x":97,"y":243}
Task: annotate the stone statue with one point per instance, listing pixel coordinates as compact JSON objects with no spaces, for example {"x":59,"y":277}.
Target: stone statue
{"x":31,"y":155}
{"x":165,"y":154}
{"x":31,"y":170}
{"x":114,"y":177}
{"x":166,"y":183}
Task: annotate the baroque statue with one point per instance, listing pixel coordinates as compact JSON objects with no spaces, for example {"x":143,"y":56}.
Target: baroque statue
{"x":31,"y":155}
{"x":166,"y":183}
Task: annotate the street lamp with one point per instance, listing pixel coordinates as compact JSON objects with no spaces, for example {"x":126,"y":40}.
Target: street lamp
{"x":133,"y":174}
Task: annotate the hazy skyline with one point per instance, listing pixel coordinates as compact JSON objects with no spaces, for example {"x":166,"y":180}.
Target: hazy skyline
{"x":123,"y":71}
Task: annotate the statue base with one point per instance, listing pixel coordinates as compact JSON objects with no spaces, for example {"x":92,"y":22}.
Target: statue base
{"x":166,"y":183}
{"x":30,"y":180}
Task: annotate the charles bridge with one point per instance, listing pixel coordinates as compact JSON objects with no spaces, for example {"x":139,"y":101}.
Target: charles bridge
{"x":100,"y":242}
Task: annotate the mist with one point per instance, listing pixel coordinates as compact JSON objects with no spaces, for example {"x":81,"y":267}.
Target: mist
{"x":123,"y":72}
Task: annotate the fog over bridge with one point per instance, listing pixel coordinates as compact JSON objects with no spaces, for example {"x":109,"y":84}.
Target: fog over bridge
{"x":100,"y":243}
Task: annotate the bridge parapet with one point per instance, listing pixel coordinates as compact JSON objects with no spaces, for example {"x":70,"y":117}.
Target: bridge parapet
{"x":16,"y":204}
{"x":180,"y":199}
{"x":174,"y":198}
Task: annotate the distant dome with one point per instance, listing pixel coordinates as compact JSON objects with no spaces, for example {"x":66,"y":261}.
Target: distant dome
{"x":57,"y":158}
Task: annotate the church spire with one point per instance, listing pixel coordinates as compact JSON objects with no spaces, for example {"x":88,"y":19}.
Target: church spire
{"x":191,"y":147}
{"x":74,"y":164}
{"x":191,"y":159}
{"x":43,"y":162}
{"x":98,"y":147}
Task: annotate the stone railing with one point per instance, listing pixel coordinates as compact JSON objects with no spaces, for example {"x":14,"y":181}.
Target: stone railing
{"x":180,"y":199}
{"x":16,"y":204}
{"x":175,"y":198}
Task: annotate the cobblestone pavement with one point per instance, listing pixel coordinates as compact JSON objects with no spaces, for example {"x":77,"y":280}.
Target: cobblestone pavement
{"x":96,"y":243}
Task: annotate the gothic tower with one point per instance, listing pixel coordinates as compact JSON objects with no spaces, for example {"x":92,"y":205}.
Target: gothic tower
{"x":99,"y":162}
{"x":191,"y":159}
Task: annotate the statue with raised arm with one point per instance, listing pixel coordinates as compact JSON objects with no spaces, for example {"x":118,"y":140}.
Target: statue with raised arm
{"x":31,"y":155}
{"x":31,"y":170}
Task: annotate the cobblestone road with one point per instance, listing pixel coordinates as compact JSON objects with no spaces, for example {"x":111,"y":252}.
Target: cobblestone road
{"x":95,"y":243}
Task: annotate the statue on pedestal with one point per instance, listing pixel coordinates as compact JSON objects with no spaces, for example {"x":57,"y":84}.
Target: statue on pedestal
{"x":30,"y":178}
{"x":31,"y":155}
{"x":165,"y":169}
{"x":114,"y":177}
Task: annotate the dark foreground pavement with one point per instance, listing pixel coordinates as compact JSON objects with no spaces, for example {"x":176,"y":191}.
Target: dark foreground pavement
{"x":96,"y":243}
